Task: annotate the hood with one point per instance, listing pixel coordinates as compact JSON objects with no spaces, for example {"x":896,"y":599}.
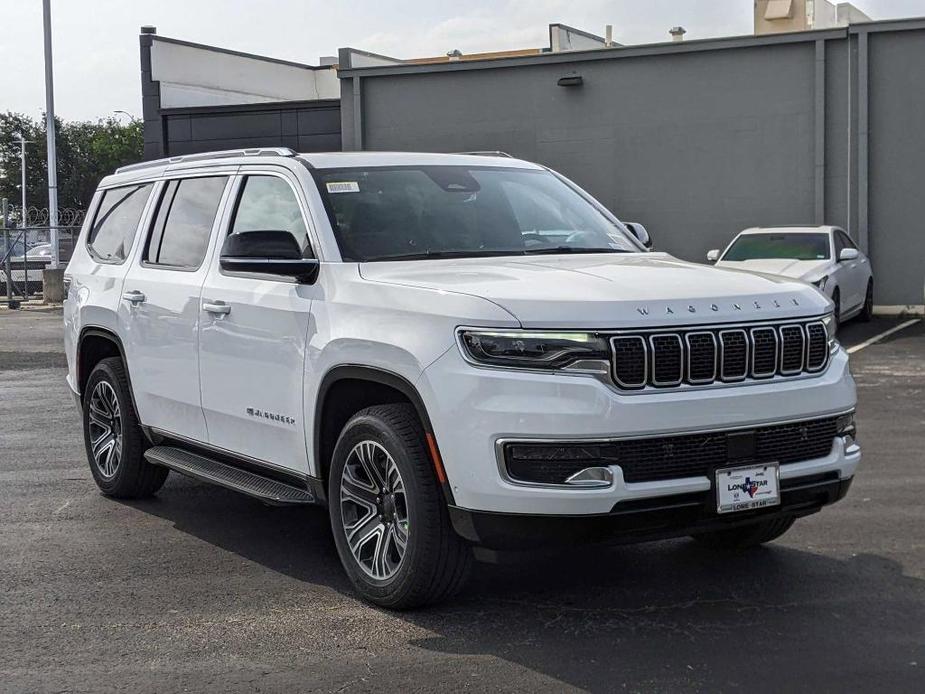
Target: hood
{"x":785,"y":267}
{"x":608,"y":290}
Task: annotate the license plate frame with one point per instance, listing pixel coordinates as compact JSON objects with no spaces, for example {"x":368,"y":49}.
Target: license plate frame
{"x":747,"y":487}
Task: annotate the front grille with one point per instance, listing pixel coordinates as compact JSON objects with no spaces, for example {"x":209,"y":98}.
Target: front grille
{"x":706,"y":355}
{"x":672,"y":457}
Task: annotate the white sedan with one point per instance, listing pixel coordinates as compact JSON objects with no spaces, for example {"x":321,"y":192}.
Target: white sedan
{"x":824,"y":256}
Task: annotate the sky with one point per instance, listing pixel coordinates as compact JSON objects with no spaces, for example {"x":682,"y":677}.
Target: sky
{"x":96,"y":41}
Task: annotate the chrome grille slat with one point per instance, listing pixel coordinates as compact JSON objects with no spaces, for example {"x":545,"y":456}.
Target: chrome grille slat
{"x":792,"y":347}
{"x":630,"y":361}
{"x":764,"y":352}
{"x":817,"y":347}
{"x":667,"y":359}
{"x":733,"y":355}
{"x":718,"y":354}
{"x":701,"y":357}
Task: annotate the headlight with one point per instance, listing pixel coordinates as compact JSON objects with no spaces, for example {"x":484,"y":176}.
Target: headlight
{"x":830,"y":327}
{"x":820,"y":283}
{"x":845,"y":427}
{"x":532,"y":350}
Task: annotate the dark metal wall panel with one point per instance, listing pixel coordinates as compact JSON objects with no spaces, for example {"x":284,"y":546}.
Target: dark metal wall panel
{"x":897,"y":165}
{"x":303,"y":126}
{"x":697,"y":146}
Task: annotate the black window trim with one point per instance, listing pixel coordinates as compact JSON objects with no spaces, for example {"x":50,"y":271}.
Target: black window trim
{"x":141,"y":219}
{"x":152,"y":218}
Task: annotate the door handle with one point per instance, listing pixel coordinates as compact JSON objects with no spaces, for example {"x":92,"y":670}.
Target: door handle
{"x":134,"y":296}
{"x":216,"y":307}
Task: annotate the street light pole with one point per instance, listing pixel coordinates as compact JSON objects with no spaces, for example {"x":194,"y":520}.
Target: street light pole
{"x":22,"y":158}
{"x":50,"y":134}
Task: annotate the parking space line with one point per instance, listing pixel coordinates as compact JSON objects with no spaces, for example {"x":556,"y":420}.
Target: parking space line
{"x":876,"y":338}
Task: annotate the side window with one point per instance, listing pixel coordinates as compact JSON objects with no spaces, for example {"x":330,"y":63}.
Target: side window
{"x":267,"y":203}
{"x":845,"y":239}
{"x":116,"y":222}
{"x":184,"y":220}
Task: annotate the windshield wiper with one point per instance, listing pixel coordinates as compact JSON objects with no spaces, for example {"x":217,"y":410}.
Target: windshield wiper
{"x":554,"y":250}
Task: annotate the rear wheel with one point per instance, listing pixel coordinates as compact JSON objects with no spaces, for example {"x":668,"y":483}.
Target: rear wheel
{"x":868,"y":311}
{"x":114,"y":441}
{"x":747,"y":535}
{"x":388,"y":515}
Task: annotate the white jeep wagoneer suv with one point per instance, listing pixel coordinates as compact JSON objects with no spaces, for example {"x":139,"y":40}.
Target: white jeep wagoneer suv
{"x":449,"y":352}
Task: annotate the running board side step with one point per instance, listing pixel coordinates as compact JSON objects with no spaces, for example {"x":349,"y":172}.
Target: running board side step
{"x":265,"y":489}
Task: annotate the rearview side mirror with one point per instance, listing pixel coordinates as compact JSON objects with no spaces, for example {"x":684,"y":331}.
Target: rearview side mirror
{"x":639,"y":231}
{"x":713,"y":255}
{"x":268,"y":253}
{"x":848,"y":254}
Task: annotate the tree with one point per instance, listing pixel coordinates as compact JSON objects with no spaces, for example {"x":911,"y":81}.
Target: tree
{"x":87,"y":151}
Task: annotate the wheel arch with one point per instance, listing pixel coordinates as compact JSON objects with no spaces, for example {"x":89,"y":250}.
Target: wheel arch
{"x":93,"y":345}
{"x":364,"y":386}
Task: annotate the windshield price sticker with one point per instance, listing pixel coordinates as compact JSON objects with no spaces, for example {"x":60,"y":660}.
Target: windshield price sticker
{"x":343,"y":187}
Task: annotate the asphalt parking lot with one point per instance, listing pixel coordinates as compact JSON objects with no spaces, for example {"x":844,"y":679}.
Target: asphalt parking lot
{"x":200,"y":589}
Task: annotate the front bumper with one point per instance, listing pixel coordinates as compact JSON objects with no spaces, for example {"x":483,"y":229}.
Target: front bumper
{"x":653,"y":519}
{"x":472,"y":408}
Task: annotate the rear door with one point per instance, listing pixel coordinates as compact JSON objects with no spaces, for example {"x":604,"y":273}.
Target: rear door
{"x":159,"y":313}
{"x":254,"y":330}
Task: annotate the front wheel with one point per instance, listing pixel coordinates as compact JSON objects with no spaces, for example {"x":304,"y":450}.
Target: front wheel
{"x":388,"y":515}
{"x":746,"y":536}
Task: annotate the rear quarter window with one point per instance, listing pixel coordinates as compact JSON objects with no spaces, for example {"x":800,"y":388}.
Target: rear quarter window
{"x":116,"y":222}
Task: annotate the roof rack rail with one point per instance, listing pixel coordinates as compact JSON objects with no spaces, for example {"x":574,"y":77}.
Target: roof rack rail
{"x":223,"y":154}
{"x":487,"y":153}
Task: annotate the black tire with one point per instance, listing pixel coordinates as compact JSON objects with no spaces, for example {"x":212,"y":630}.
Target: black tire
{"x":131,"y":477}
{"x":436,"y":561}
{"x":867,"y":313}
{"x":836,"y":298}
{"x":745,"y":536}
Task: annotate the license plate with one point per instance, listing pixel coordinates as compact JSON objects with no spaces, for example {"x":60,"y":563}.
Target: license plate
{"x":744,"y":488}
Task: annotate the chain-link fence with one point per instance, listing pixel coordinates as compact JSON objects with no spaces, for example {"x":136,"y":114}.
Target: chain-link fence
{"x":25,"y":252}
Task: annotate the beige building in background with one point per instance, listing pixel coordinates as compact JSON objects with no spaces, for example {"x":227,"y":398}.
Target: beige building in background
{"x":779,"y":16}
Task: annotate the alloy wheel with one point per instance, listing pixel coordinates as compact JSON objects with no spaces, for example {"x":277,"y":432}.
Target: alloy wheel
{"x":105,"y":429}
{"x":374,"y":510}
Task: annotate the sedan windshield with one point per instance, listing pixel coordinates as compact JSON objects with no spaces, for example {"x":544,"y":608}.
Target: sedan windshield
{"x":420,"y":212}
{"x":779,"y":246}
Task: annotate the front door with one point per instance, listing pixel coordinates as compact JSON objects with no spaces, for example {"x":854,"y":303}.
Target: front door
{"x":159,"y":313}
{"x":253,"y":336}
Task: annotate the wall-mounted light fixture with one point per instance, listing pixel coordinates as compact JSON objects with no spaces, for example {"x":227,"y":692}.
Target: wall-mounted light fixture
{"x":571,"y":80}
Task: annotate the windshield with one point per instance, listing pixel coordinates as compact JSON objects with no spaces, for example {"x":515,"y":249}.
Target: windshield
{"x":413,"y":212}
{"x":779,"y":246}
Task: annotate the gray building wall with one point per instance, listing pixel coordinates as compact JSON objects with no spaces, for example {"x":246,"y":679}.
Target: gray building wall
{"x":697,"y":140}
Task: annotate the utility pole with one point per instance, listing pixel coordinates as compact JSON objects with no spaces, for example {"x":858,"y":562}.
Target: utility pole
{"x":50,"y":134}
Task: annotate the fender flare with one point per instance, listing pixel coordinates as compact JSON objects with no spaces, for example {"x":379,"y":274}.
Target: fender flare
{"x":386,"y":378}
{"x":94,"y":331}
